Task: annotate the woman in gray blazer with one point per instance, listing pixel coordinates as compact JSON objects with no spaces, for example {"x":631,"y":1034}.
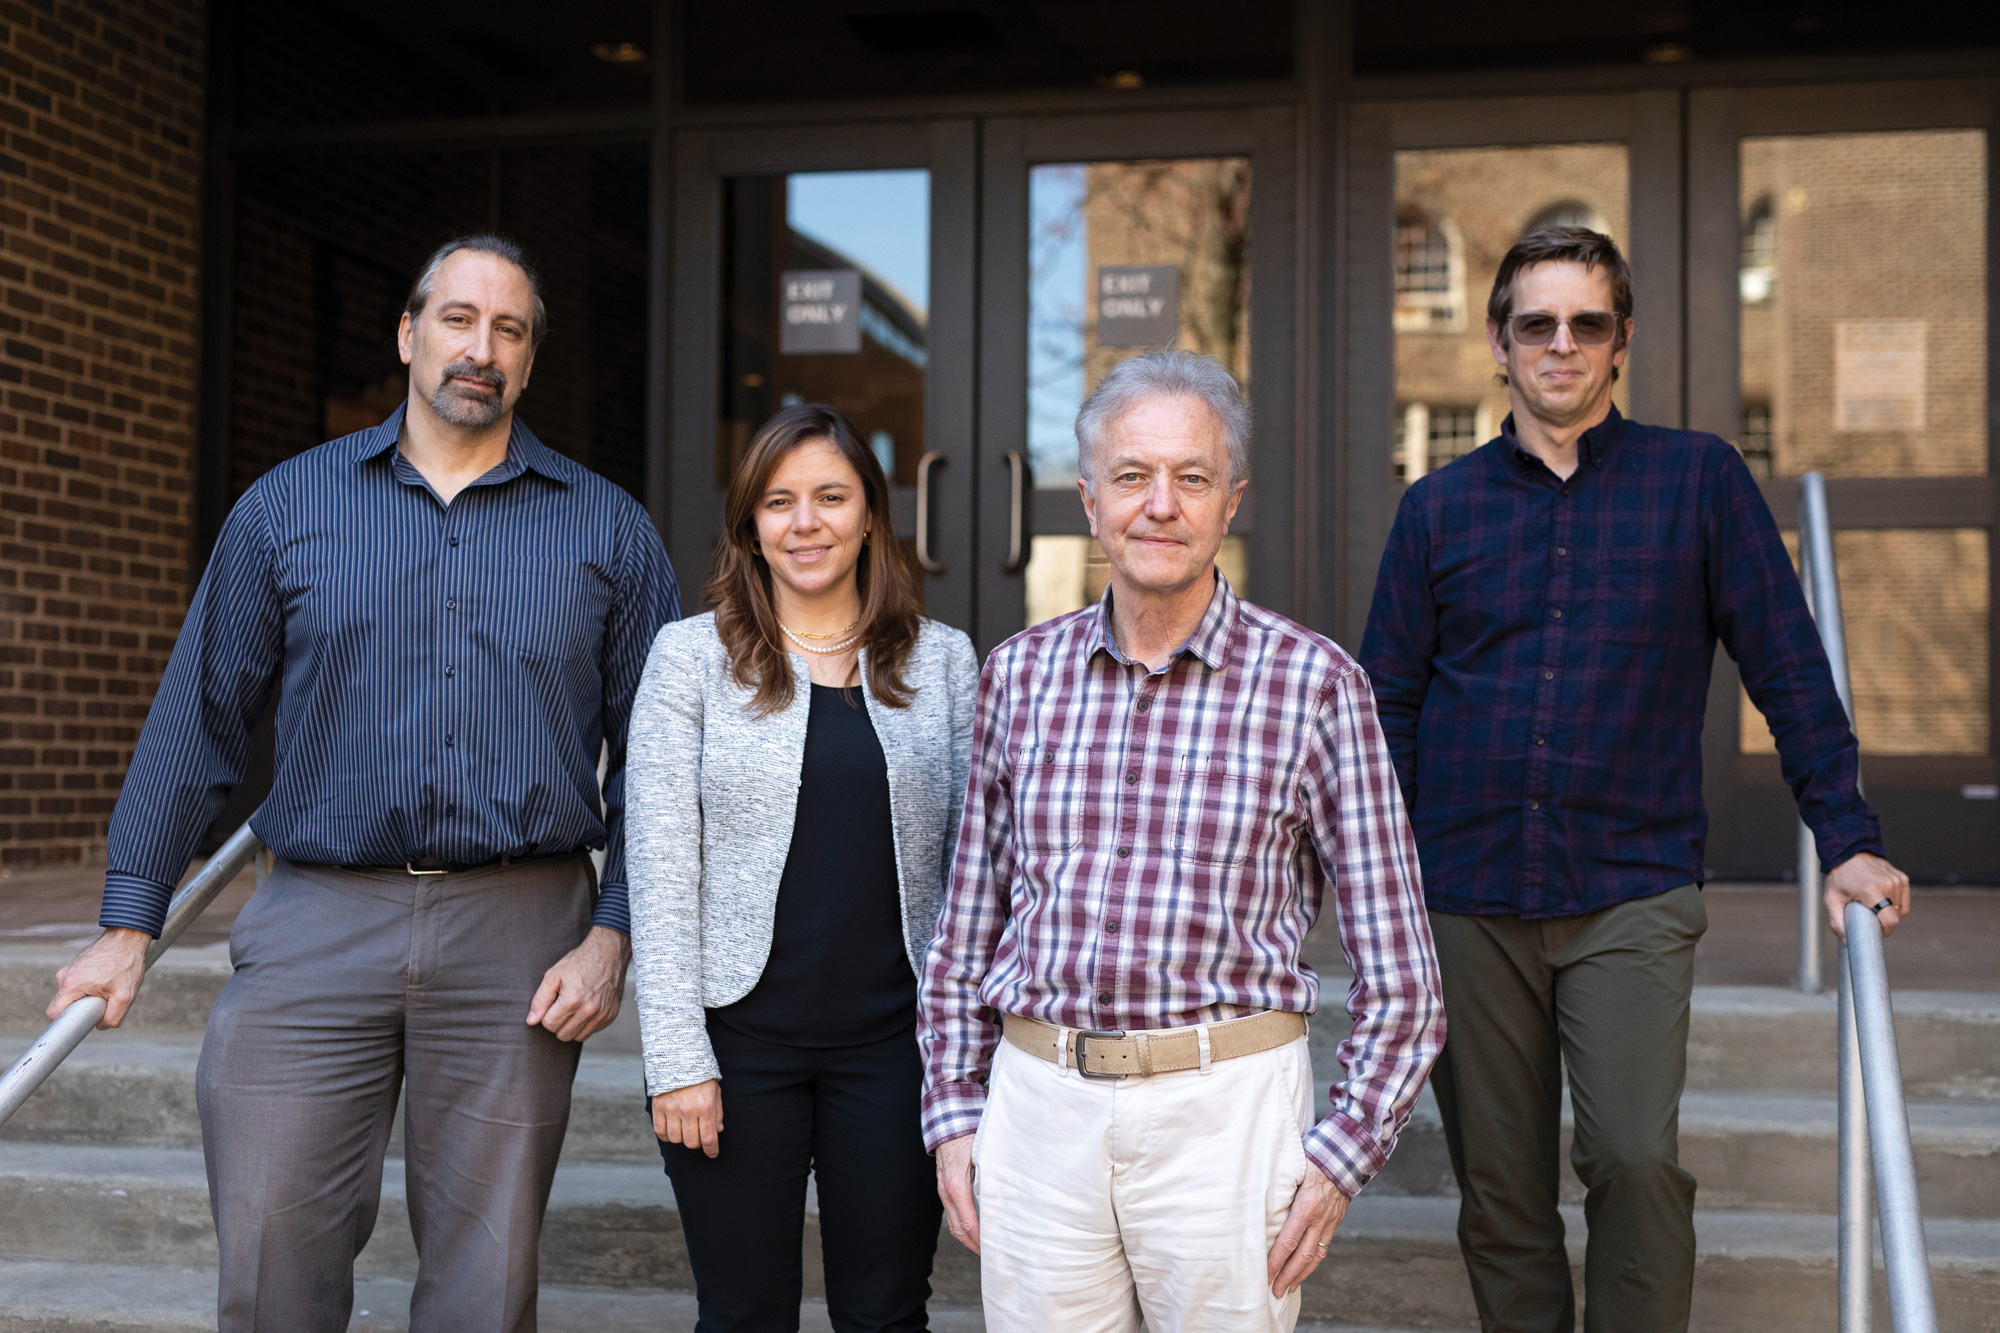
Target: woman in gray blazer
{"x":796,"y":766}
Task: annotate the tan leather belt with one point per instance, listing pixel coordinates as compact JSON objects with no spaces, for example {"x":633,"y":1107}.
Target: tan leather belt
{"x":1157,"y":1051}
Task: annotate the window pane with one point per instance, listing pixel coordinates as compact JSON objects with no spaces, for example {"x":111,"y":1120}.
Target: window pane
{"x":1124,"y":256}
{"x":825,"y":299}
{"x":1915,"y":606}
{"x":1864,"y":315}
{"x":1457,"y":212}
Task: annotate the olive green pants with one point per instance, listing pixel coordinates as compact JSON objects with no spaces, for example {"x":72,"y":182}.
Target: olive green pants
{"x":1606,"y":995}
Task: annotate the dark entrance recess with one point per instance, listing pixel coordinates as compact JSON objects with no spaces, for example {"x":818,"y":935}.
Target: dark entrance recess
{"x":641,"y":149}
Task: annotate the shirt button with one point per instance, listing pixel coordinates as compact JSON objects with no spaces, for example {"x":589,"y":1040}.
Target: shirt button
{"x":1104,"y":997}
{"x":1541,"y":740}
{"x":1534,"y":805}
{"x":451,"y":603}
{"x":451,"y":809}
{"x":448,"y":671}
{"x":1131,"y":778}
{"x":1124,"y":851}
{"x":1111,"y":928}
{"x":1562,"y":550}
{"x":1144,"y":704}
{"x":1557,"y":613}
{"x":454,"y":541}
{"x":1548,"y":675}
{"x":447,"y":740}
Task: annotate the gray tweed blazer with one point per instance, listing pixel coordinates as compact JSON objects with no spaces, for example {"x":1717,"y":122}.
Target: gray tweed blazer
{"x":711,"y":793}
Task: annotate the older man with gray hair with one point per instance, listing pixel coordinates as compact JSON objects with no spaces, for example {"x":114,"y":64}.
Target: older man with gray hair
{"x":1165,"y":789}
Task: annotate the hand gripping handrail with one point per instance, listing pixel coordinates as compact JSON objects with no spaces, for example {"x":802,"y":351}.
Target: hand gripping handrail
{"x":1874,"y":1121}
{"x":75,"y":1023}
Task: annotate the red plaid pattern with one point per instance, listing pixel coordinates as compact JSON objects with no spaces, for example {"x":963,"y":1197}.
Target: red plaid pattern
{"x":1148,"y":849}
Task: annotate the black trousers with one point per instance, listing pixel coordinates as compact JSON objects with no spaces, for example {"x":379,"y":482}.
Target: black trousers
{"x":849,"y":1114}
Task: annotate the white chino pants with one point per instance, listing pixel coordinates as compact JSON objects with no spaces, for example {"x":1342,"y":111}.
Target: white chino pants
{"x":1102,"y":1203}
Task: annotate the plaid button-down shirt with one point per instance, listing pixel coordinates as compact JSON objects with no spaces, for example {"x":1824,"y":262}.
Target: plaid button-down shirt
{"x":1542,"y":649}
{"x":1147,"y":849}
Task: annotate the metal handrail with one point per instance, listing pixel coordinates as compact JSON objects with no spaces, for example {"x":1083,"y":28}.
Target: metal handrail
{"x":1874,"y":1120}
{"x":76,"y":1022}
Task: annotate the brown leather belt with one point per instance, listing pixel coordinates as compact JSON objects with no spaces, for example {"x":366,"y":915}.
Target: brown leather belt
{"x":1114,"y":1055}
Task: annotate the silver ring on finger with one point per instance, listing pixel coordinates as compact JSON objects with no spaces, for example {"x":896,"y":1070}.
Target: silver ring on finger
{"x":1886,"y":902}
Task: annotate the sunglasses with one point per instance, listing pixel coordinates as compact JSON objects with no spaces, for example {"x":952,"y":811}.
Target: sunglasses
{"x":1591,"y":328}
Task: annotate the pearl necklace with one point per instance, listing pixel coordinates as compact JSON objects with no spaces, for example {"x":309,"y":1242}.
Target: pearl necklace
{"x":827,"y":651}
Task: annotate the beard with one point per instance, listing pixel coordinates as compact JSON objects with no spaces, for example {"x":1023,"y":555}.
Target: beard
{"x":463,"y":406}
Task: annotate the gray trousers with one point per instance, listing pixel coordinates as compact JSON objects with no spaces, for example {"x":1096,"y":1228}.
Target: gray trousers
{"x":350,"y":985}
{"x":1607,"y":995}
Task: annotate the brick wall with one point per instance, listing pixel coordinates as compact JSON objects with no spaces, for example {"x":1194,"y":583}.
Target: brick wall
{"x":101,"y":105}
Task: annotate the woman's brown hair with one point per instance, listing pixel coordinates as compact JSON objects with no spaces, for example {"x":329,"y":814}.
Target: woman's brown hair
{"x":739,"y":584}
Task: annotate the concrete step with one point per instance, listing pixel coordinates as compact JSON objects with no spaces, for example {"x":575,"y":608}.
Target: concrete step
{"x":1761,"y":1038}
{"x":1769,"y":1039}
{"x":46,"y":1297}
{"x":1755,"y":1272}
{"x":1395,"y":1262}
{"x":1772,"y":1152}
{"x":39,"y":1296}
{"x":138,"y":1088}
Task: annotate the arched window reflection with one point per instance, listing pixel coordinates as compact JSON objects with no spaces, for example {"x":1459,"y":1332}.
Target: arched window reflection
{"x":1430,"y":273}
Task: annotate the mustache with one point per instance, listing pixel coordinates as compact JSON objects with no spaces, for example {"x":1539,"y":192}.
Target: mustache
{"x":491,"y":376}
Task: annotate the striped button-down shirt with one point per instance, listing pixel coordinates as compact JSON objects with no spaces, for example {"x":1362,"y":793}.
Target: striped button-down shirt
{"x":1541,"y":648}
{"x":1147,"y":849}
{"x":447,"y":674}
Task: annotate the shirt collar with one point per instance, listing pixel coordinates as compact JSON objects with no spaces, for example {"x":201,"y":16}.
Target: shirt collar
{"x":1209,"y":642}
{"x":1593,"y":447}
{"x":524,"y":450}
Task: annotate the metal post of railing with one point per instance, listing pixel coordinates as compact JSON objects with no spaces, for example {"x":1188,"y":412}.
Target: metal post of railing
{"x":75,"y":1023}
{"x":1904,"y":1254}
{"x":1821,"y":578}
{"x":1857,"y":1217}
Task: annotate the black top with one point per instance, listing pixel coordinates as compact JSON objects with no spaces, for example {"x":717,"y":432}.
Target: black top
{"x":837,"y":974}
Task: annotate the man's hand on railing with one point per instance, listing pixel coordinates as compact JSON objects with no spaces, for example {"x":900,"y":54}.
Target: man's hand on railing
{"x":112,"y":967}
{"x":1866,"y":879}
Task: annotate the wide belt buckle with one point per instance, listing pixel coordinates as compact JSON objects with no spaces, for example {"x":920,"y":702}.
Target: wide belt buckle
{"x":1077,"y":1041}
{"x":411,"y":866}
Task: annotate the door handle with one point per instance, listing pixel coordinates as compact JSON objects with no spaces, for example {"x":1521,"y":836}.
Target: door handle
{"x":925,"y":466}
{"x":1017,"y":513}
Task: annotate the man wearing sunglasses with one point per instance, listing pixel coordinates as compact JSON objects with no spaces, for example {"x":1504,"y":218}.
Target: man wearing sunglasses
{"x":1540,"y":643}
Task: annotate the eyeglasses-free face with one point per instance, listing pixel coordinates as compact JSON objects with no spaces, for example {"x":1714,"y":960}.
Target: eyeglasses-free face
{"x":1590,"y":328}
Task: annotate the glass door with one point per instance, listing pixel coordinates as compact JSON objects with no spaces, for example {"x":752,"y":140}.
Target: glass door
{"x":1438,"y":191}
{"x":834,"y":267}
{"x":1840,"y":285}
{"x":1104,"y":237}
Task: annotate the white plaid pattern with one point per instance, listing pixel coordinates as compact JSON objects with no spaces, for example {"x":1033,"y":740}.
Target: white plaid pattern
{"x":1148,"y":849}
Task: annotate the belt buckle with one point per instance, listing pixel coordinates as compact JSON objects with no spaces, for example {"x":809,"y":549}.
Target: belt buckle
{"x":1077,"y":1051}
{"x":411,"y":867}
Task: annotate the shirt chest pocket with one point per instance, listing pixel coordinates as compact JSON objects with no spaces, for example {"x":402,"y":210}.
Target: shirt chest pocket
{"x":549,"y":610}
{"x":1053,"y":785}
{"x":1220,"y":810}
{"x":1647,"y":595}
